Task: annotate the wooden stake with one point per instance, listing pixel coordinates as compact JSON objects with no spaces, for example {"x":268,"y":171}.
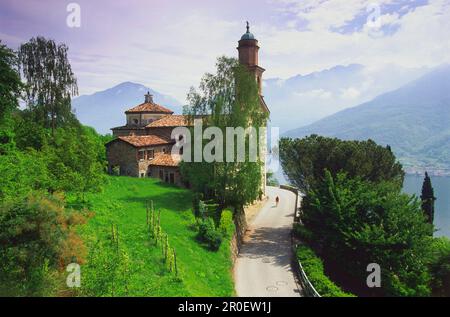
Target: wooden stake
{"x":146,"y":214}
{"x":175,"y":261}
{"x":117,"y":239}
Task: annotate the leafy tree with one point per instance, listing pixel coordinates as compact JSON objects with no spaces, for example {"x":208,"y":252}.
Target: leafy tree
{"x":50,"y":82}
{"x":10,"y":84}
{"x":364,"y":222}
{"x":440,"y":267}
{"x":10,"y":87}
{"x":428,"y":198}
{"x":304,"y":160}
{"x":228,"y":98}
{"x":21,"y":173}
{"x":36,"y":240}
{"x":28,"y":133}
{"x":74,"y":161}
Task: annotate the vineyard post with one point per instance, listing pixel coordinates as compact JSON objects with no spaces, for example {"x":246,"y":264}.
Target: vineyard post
{"x":175,"y":261}
{"x":117,"y":239}
{"x":146,"y":214}
{"x":166,"y":251}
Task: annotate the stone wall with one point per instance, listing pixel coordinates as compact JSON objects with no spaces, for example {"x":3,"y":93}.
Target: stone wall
{"x":144,"y":164}
{"x":166,"y":171}
{"x":124,"y":156}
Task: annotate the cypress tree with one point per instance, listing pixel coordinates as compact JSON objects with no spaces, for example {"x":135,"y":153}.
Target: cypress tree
{"x":428,"y":198}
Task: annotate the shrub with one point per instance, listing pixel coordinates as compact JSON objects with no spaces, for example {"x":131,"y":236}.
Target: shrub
{"x":440,"y":267}
{"x":208,"y":234}
{"x":226,"y":226}
{"x":37,"y":240}
{"x":196,"y":205}
{"x":313,"y":267}
{"x":302,"y":233}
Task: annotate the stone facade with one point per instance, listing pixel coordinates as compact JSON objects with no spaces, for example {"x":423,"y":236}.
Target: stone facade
{"x":131,"y":160}
{"x":169,"y":175}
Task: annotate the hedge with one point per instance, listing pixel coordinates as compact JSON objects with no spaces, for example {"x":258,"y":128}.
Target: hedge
{"x":313,"y":267}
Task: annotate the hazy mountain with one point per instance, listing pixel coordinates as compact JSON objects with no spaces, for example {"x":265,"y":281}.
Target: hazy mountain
{"x":414,"y":120}
{"x":304,"y":99}
{"x":104,"y":110}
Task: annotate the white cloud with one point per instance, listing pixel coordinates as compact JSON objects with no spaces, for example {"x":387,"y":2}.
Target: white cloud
{"x":169,"y":50}
{"x":315,"y":93}
{"x":350,"y":93}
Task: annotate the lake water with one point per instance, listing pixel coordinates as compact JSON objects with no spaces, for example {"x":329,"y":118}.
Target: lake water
{"x":441,"y":185}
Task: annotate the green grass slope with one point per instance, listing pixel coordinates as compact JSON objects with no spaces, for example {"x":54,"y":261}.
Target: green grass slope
{"x":122,"y":202}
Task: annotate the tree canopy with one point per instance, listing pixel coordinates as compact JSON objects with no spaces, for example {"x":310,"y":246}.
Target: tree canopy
{"x":305,"y":160}
{"x":44,"y":152}
{"x":230,"y":99}
{"x":50,"y":81}
{"x":363,"y":223}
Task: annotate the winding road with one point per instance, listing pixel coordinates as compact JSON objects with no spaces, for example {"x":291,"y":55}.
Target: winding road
{"x":263,"y":267}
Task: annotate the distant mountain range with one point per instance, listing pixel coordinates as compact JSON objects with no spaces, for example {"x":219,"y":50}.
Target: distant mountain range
{"x":414,"y":120}
{"x":310,"y":97}
{"x":304,"y":99}
{"x":105,"y":109}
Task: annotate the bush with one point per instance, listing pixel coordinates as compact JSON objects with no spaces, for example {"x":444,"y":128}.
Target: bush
{"x":226,"y":226}
{"x":313,"y":267}
{"x":208,"y":234}
{"x":37,"y":240}
{"x":440,"y":267}
{"x":356,"y":220}
{"x":302,"y":233}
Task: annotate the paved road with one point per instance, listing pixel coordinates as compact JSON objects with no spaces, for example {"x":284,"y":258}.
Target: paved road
{"x":263,"y":268}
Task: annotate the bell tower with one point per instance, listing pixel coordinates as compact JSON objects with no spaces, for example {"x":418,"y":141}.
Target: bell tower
{"x":248,"y":55}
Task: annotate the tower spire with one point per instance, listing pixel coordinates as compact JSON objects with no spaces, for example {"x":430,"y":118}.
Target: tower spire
{"x":248,"y":27}
{"x":148,"y":97}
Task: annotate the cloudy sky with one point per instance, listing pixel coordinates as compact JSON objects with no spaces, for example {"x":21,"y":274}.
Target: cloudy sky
{"x":169,"y":44}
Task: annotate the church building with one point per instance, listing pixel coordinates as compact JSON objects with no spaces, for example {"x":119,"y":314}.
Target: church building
{"x":142,"y":147}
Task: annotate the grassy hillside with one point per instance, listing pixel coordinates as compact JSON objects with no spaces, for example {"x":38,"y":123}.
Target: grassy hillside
{"x":202,"y":272}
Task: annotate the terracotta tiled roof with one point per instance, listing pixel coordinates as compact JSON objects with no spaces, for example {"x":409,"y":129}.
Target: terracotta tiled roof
{"x":163,"y":159}
{"x":144,"y":140}
{"x":169,"y":121}
{"x":149,"y":107}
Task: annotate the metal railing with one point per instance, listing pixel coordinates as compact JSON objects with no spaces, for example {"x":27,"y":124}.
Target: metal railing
{"x":308,"y":288}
